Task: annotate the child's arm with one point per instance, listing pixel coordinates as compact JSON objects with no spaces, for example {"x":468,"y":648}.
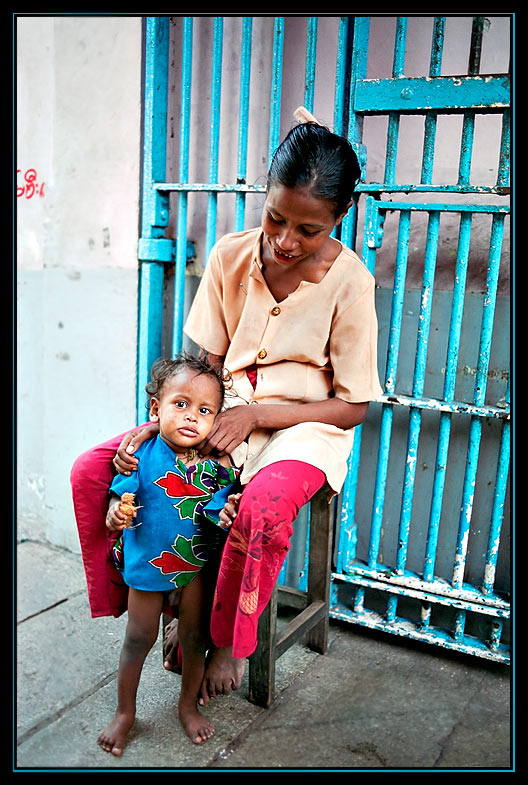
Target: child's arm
{"x":228,"y":514}
{"x":119,"y":516}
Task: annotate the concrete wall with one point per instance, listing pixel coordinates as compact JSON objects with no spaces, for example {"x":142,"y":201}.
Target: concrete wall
{"x":78,"y":127}
{"x":79,"y":120}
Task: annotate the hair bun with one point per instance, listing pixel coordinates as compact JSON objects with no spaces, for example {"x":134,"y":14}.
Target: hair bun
{"x":302,"y":115}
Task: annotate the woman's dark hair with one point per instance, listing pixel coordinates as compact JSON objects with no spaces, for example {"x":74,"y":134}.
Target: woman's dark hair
{"x":314,"y":157}
{"x":164,"y":368}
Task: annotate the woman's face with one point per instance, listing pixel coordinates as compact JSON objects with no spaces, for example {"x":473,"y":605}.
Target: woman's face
{"x":296,"y":224}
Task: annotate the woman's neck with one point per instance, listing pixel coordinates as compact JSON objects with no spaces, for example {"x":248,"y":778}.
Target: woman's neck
{"x":283,"y":281}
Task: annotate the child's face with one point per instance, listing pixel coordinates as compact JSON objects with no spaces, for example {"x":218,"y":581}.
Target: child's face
{"x":186,"y":408}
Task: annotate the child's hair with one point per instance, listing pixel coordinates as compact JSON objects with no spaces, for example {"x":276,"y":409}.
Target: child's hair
{"x":311,"y":155}
{"x":164,"y":368}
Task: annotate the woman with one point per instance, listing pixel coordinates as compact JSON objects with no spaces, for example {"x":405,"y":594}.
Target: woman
{"x":289,"y":311}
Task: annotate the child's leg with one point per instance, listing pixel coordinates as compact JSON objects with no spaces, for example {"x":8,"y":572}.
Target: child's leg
{"x":193,"y":628}
{"x":144,"y":609}
{"x":171,"y":642}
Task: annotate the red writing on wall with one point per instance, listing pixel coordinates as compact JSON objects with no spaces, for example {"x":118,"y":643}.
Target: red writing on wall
{"x":30,"y":187}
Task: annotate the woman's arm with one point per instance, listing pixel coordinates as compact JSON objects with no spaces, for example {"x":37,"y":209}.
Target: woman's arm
{"x":333,"y":411}
{"x":233,"y":426}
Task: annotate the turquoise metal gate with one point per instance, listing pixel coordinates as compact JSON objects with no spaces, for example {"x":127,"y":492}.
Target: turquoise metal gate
{"x":460,"y":608}
{"x":419,"y":550}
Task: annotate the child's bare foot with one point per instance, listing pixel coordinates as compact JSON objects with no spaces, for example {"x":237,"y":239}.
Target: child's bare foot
{"x":197,"y":728}
{"x":222,"y":675}
{"x":113,"y":737}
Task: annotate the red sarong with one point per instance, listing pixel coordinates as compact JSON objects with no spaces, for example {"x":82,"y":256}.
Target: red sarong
{"x":256,"y":548}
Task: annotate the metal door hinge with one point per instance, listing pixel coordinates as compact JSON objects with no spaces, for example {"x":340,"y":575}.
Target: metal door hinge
{"x":162,"y":249}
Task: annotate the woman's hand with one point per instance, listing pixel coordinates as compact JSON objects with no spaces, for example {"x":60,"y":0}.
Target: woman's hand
{"x":125,"y":462}
{"x":230,"y":429}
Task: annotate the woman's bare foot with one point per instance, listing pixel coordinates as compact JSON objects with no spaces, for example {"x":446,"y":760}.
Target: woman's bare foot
{"x":171,"y":648}
{"x":223,"y":674}
{"x":197,"y":728}
{"x":113,"y":737}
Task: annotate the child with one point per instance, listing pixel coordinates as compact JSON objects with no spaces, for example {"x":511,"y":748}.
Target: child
{"x":166,"y":543}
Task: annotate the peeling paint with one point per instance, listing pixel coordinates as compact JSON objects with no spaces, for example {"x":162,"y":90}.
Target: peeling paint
{"x":451,"y":407}
{"x":433,"y":636}
{"x":436,"y":591}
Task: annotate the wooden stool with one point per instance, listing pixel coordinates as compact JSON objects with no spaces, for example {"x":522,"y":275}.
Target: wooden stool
{"x":313,"y":604}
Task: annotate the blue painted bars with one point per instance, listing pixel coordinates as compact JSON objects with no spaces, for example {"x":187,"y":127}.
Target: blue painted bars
{"x":214,"y":137}
{"x":311,"y":49}
{"x":153,"y":248}
{"x":402,"y":536}
{"x":390,"y":576}
{"x":276,"y":85}
{"x":243,"y":115}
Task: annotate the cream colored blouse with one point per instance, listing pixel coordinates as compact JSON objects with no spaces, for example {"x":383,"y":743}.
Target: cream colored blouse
{"x":319,"y":342}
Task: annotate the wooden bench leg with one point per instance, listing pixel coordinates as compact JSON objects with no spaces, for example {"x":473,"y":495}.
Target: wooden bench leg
{"x":312,"y":623}
{"x":262,"y":662}
{"x":320,"y":565}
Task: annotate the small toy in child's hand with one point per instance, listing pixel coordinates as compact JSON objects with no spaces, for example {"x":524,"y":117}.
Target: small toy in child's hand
{"x":127,"y":507}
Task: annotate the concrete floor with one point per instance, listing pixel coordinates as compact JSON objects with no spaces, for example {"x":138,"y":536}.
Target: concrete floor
{"x":372,"y":703}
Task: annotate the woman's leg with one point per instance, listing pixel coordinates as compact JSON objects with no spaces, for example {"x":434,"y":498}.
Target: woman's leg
{"x":90,"y":477}
{"x":254,"y":553}
{"x":171,"y":642}
{"x":144,"y":610}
